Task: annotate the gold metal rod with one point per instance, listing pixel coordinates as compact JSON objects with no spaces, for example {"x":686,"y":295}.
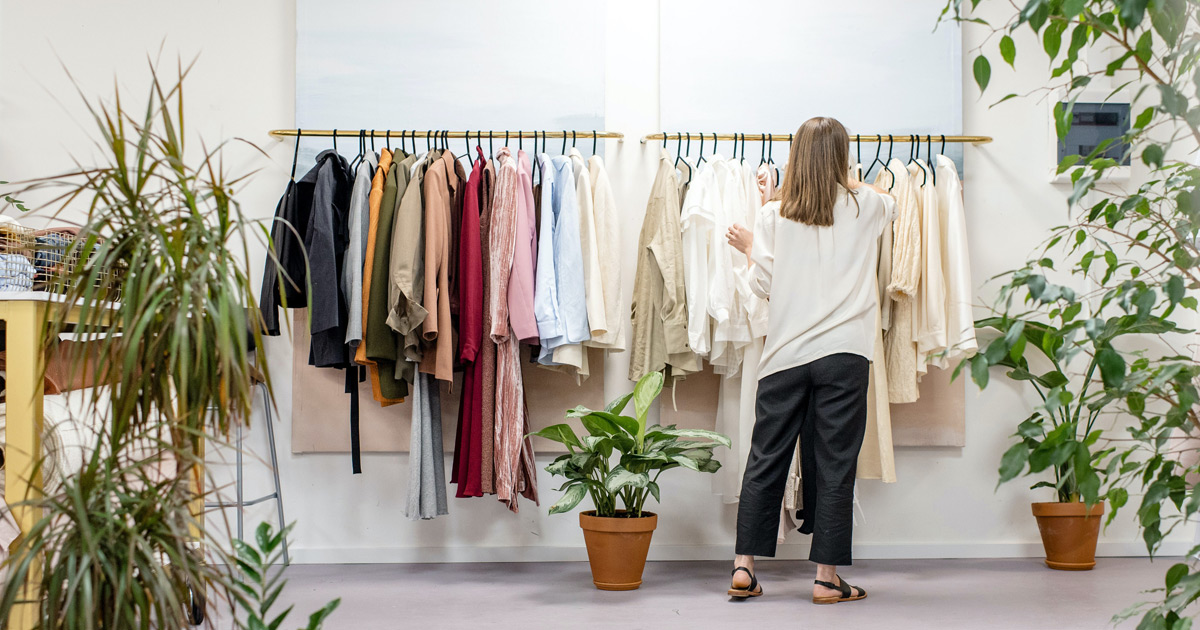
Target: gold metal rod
{"x":897,"y":138}
{"x":421,"y":133}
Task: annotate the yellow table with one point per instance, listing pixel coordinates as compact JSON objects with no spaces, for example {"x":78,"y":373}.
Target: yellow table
{"x":23,"y":314}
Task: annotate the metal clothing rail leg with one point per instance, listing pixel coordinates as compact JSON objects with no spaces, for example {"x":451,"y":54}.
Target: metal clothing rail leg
{"x":240,"y":502}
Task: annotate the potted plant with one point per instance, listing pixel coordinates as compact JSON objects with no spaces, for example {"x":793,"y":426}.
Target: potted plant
{"x":124,"y":543}
{"x":1060,"y":435}
{"x":618,"y":539}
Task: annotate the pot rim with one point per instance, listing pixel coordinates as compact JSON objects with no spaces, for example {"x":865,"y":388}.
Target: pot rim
{"x":645,"y":514}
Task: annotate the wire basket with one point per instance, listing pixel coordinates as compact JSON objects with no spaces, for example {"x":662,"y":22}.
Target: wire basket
{"x":17,"y":246}
{"x":56,"y":255}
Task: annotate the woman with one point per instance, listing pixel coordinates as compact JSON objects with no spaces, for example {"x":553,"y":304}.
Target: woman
{"x":813,"y":255}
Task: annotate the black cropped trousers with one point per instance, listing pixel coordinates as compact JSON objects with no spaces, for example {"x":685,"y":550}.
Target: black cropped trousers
{"x":824,"y":404}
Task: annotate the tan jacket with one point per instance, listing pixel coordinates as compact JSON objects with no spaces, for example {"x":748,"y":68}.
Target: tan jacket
{"x":407,"y":288}
{"x":441,"y":185}
{"x":608,"y":241}
{"x":660,"y":338}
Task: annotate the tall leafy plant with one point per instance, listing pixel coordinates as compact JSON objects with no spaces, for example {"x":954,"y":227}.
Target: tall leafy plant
{"x":643,"y":453}
{"x":1132,"y":253}
{"x":159,"y":276}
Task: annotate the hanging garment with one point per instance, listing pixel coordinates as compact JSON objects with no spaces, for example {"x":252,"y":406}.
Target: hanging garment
{"x":286,"y":267}
{"x":593,"y":282}
{"x":956,"y":265}
{"x":513,"y":451}
{"x":731,"y":330}
{"x":375,"y":199}
{"x":442,"y":185}
{"x":406,"y":289}
{"x":766,"y":182}
{"x":468,"y":460}
{"x":560,"y":301}
{"x":930,"y":305}
{"x":756,"y":307}
{"x":352,"y":269}
{"x":426,"y":472}
{"x":608,"y":245}
{"x":487,"y":347}
{"x":392,"y":377}
{"x":521,"y":286}
{"x":900,"y":341}
{"x":659,"y":309}
{"x":698,"y":223}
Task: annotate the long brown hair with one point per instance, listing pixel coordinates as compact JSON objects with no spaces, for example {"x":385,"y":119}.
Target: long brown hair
{"x":816,"y":172}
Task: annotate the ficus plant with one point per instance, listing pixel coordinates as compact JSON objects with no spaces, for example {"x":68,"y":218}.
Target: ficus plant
{"x":1113,"y":289}
{"x":641,"y":453}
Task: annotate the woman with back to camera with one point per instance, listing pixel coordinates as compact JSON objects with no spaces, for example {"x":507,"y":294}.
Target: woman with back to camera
{"x":813,"y":256}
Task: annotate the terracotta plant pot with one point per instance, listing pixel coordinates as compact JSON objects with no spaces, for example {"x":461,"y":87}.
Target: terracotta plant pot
{"x":1069,"y":533}
{"x":617,"y":548}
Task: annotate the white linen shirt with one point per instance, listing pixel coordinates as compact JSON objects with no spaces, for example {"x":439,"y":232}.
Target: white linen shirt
{"x":819,"y":281}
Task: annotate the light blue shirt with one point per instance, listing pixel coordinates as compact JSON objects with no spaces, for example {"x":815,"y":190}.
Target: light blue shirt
{"x":559,"y":300}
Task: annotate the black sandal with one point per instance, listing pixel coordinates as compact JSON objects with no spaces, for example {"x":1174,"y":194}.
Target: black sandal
{"x":743,"y":593}
{"x":847,"y":591}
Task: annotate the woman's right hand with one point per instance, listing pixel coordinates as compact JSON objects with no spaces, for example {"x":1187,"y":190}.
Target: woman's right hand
{"x":740,"y":238}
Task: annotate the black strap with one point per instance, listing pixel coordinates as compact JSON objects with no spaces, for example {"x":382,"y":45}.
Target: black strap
{"x":352,"y":379}
{"x":753,"y":580}
{"x":846,"y":590}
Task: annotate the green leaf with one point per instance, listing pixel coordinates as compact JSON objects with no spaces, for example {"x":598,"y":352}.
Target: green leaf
{"x":1052,"y":38}
{"x":1067,"y":163}
{"x":1071,"y":8}
{"x":570,"y":499}
{"x":560,"y":433}
{"x":654,"y":491}
{"x":1112,"y":367}
{"x":1175,"y":289}
{"x":1008,"y":50}
{"x":618,"y":404}
{"x":1006,"y":97}
{"x":599,"y":425}
{"x":979,"y":370}
{"x":983,"y":72}
{"x":644,"y":393}
{"x":694,"y":433}
{"x":1144,"y":118}
{"x":1062,"y":118}
{"x":1152,"y":155}
{"x":1013,"y":462}
{"x":1132,"y":12}
{"x":1174,"y":574}
{"x":619,"y":478}
{"x":1173,"y":102}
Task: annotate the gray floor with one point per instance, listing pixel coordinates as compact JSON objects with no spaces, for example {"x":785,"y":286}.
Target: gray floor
{"x":917,"y":594}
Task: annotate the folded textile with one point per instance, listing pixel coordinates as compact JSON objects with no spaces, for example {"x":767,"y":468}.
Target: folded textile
{"x":48,"y":256}
{"x":16,"y":273}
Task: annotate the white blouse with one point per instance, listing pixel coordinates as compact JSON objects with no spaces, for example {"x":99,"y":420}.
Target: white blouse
{"x":820,"y":281}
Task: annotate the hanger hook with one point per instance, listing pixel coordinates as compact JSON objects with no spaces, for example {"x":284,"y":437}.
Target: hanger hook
{"x":593,"y":142}
{"x":702,"y":147}
{"x":572,"y":139}
{"x":296,"y":151}
{"x":891,"y":145}
{"x":335,"y":141}
{"x":689,"y":144}
{"x":491,"y":144}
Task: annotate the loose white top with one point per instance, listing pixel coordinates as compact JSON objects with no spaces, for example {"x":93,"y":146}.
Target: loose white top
{"x":819,"y":281}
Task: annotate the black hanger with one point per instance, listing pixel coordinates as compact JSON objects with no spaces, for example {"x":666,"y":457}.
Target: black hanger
{"x":701,"y":159}
{"x":691,"y":170}
{"x":593,"y":142}
{"x":891,"y":145}
{"x":572,"y":139}
{"x":762,"y":143}
{"x":664,"y":133}
{"x":362,"y":149}
{"x":296,"y":152}
{"x":520,"y":141}
{"x":714,"y":145}
{"x":467,"y":145}
{"x":943,"y":151}
{"x":372,"y":141}
{"x":858,"y":149}
{"x":678,"y":147}
{"x":335,"y":141}
{"x":505,"y":138}
{"x":733,"y":155}
{"x":929,"y":158}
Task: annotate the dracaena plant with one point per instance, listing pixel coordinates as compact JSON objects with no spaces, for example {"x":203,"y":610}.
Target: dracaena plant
{"x":641,"y":453}
{"x":1131,"y":251}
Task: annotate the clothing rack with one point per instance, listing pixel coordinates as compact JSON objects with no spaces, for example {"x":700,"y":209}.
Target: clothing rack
{"x":590,"y":134}
{"x":894,"y":138}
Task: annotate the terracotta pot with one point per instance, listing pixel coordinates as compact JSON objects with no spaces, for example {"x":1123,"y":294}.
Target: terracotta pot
{"x":617,"y":548}
{"x":1069,"y":533}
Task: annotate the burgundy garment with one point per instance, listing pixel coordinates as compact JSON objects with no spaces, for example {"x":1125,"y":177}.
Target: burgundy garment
{"x":487,"y":352}
{"x":468,"y":459}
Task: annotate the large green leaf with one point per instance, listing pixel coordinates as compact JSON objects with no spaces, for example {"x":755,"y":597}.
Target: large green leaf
{"x":619,"y":478}
{"x":570,"y":499}
{"x":618,"y":404}
{"x":712,"y":436}
{"x":560,"y":433}
{"x":598,"y":425}
{"x":1008,"y":50}
{"x":983,"y":72}
{"x":1112,"y":366}
{"x":1013,"y":462}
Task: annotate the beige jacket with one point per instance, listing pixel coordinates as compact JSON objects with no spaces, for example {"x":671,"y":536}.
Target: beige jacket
{"x":660,"y":338}
{"x":608,"y":242}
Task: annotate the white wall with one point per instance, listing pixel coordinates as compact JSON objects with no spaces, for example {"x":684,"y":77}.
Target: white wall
{"x":945,"y":503}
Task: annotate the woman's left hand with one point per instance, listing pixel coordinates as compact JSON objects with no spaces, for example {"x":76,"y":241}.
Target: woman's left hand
{"x":740,"y":238}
